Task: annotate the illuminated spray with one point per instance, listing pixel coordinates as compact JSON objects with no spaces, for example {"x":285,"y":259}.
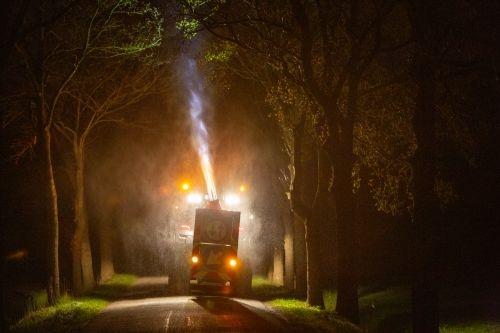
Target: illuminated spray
{"x":199,"y":130}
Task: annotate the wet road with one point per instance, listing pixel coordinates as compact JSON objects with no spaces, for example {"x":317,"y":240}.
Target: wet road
{"x":187,"y":314}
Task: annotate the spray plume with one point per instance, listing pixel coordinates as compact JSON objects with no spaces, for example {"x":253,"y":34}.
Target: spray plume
{"x":199,"y":130}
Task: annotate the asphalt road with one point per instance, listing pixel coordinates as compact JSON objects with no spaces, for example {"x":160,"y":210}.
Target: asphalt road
{"x":187,"y":314}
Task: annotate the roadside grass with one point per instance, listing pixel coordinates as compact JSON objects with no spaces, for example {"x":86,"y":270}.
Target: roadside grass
{"x":263,"y":289}
{"x":313,"y":318}
{"x":471,"y":327}
{"x":381,"y":311}
{"x":386,"y":310}
{"x":67,"y":315}
{"x":114,"y":287}
{"x":389,"y":311}
{"x":71,"y":313}
{"x":39,"y":300}
{"x":297,"y":311}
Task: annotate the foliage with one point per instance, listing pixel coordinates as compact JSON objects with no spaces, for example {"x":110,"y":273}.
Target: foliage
{"x":188,"y":27}
{"x":76,"y":45}
{"x":385,"y":144}
{"x":124,"y":27}
{"x":267,"y":45}
{"x":219,"y":52}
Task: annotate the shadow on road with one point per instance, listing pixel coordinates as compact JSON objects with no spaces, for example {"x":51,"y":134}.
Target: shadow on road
{"x":220,"y":305}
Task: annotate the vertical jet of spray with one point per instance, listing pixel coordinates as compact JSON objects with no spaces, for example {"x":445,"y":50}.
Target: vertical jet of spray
{"x":198,"y":128}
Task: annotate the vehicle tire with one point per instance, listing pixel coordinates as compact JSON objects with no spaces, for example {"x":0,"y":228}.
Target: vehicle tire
{"x":243,"y":286}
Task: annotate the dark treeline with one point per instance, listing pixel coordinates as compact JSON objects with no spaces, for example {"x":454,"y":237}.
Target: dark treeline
{"x":367,"y":129}
{"x":378,"y":107}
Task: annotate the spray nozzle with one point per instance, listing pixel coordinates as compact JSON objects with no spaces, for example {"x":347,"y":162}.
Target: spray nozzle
{"x":214,"y":204}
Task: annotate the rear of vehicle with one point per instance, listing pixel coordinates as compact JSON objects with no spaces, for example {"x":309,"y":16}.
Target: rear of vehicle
{"x":214,"y":263}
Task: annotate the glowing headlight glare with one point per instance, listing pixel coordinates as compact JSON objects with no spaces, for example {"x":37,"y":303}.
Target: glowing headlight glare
{"x":232,"y":199}
{"x":194,"y":198}
{"x":194,"y":259}
{"x":233,"y":262}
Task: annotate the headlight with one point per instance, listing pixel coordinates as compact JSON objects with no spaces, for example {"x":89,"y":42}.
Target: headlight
{"x":233,"y":262}
{"x":232,"y":199}
{"x":194,"y":198}
{"x":194,"y":259}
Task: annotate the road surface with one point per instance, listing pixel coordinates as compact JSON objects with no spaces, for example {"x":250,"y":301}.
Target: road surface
{"x":186,"y":314}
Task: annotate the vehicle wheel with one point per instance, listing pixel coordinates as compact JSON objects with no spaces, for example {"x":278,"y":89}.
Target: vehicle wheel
{"x":244,"y":282}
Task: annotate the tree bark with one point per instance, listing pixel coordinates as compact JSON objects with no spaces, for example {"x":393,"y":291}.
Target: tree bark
{"x":347,"y":292}
{"x":343,"y":157}
{"x":313,"y":228}
{"x":425,"y":300}
{"x":314,"y":290}
{"x":83,"y":274}
{"x":289,"y":249}
{"x":278,"y":265}
{"x":45,"y":137}
{"x":53,"y":218}
{"x":310,"y":216}
{"x":300,"y":270}
{"x":426,"y":211}
{"x":107,"y":269}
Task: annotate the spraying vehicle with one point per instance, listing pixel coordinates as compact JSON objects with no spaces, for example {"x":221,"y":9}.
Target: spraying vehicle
{"x":215,"y":265}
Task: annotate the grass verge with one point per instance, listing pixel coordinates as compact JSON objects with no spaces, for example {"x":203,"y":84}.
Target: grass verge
{"x":471,"y":327}
{"x":308,"y":318}
{"x":264,"y":289}
{"x":381,"y":311}
{"x":70,"y":314}
{"x":389,"y":310}
{"x":311,"y":317}
{"x":67,"y":315}
{"x":115,"y":287}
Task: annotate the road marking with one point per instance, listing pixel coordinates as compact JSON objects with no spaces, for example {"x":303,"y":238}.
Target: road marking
{"x":167,"y":321}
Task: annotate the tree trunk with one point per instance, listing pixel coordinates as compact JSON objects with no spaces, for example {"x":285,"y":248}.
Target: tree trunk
{"x":425,"y":302}
{"x":278,"y":265}
{"x":299,"y":250}
{"x":53,"y":218}
{"x":426,"y":231}
{"x":88,"y":280}
{"x":313,"y":228}
{"x":83,"y":274}
{"x":310,"y":216}
{"x":314,"y":290}
{"x":45,"y":137}
{"x":289,"y":249}
{"x":107,"y":269}
{"x":347,"y":292}
{"x":347,"y":279}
